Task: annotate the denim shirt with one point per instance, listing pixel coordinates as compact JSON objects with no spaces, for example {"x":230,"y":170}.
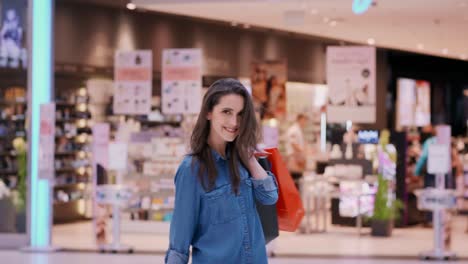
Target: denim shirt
{"x":221,"y":227}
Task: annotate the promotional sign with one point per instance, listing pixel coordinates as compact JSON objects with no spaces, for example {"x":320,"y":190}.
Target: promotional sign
{"x":101,"y":135}
{"x":438,"y":160}
{"x":13,"y":53}
{"x":433,"y":199}
{"x":351,"y":79}
{"x":181,"y":81}
{"x":268,"y":81}
{"x":414,"y":102}
{"x":118,"y":156}
{"x":47,"y":142}
{"x":133,"y":77}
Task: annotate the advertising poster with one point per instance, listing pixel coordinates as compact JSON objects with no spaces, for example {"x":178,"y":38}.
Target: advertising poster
{"x":13,"y":22}
{"x":47,"y":142}
{"x":351,"y":79}
{"x":133,"y":76}
{"x":414,"y":102}
{"x":423,"y":104}
{"x":181,"y":81}
{"x":268,"y":82}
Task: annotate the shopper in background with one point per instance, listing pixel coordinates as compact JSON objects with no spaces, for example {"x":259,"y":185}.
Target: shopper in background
{"x":295,"y":149}
{"x":218,"y":182}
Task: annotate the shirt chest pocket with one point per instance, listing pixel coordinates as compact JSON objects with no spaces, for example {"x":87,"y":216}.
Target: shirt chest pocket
{"x":223,"y":206}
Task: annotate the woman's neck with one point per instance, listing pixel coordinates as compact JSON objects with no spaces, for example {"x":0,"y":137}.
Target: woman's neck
{"x":219,"y":147}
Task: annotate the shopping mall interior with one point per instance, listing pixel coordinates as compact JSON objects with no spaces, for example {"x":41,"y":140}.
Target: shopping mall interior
{"x":99,"y":98}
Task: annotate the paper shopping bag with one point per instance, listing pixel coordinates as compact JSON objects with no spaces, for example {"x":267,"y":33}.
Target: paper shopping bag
{"x":289,"y":206}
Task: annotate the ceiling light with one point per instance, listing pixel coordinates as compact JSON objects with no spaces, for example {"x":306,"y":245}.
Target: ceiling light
{"x":131,"y":6}
{"x":420,"y":46}
{"x":333,"y":23}
{"x":371,"y":41}
{"x":445,"y":51}
{"x":313,"y":11}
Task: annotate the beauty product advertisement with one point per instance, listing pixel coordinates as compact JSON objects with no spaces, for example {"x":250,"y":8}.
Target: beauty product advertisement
{"x":181,"y":81}
{"x":351,"y":79}
{"x":133,"y":76}
{"x":414,"y":102}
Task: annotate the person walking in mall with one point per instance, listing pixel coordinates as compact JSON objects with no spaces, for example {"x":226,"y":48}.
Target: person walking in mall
{"x":218,"y":182}
{"x":295,"y":149}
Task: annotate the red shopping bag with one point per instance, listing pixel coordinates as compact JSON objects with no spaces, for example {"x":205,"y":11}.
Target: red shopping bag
{"x":289,"y":206}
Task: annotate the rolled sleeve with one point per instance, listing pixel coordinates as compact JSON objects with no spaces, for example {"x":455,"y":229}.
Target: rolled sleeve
{"x":266,"y":190}
{"x":174,"y":257}
{"x":185,"y":215}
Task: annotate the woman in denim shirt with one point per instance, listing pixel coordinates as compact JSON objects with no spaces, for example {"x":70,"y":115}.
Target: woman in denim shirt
{"x":218,"y":183}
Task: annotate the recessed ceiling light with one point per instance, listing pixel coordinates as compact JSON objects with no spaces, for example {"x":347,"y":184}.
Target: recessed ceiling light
{"x":326,"y":19}
{"x":131,"y":6}
{"x":333,"y":23}
{"x":371,"y":41}
{"x":313,"y":11}
{"x":445,"y":51}
{"x":420,"y":46}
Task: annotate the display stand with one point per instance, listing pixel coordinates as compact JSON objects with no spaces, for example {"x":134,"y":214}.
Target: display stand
{"x":118,"y":196}
{"x":438,"y":200}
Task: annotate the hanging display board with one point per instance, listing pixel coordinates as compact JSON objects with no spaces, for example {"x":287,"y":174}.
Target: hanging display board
{"x":181,"y":81}
{"x":351,"y":79}
{"x":133,"y":77}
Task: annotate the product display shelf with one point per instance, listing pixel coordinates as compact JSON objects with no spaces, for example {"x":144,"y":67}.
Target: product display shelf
{"x":72,"y":155}
{"x":13,"y":108}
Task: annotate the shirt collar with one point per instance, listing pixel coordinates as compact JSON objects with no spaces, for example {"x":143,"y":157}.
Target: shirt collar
{"x":218,"y":157}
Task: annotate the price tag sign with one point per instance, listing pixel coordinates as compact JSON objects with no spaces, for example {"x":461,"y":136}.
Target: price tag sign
{"x":113,"y":194}
{"x":439,"y":159}
{"x":434,"y":199}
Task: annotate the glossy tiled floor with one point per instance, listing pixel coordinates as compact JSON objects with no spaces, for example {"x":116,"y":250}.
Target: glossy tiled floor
{"x":14,"y":257}
{"x":336,"y":242}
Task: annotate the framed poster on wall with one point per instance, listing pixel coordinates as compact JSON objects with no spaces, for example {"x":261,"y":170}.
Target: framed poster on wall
{"x":351,"y":79}
{"x":413,"y":103}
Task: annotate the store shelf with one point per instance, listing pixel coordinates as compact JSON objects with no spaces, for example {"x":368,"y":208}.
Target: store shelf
{"x":158,"y":123}
{"x":66,"y":153}
{"x":69,"y":202}
{"x":66,"y":212}
{"x":66,"y":120}
{"x":64,"y":170}
{"x":3,"y":121}
{"x":6,"y":172}
{"x":7,"y":154}
{"x":71,"y":185}
{"x":12,"y":102}
{"x":64,"y":104}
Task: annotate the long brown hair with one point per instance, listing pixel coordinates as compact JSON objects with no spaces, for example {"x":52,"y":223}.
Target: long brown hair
{"x":239,"y":150}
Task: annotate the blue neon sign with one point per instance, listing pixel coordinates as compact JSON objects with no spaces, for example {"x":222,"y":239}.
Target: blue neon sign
{"x":361,"y":6}
{"x":41,"y":85}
